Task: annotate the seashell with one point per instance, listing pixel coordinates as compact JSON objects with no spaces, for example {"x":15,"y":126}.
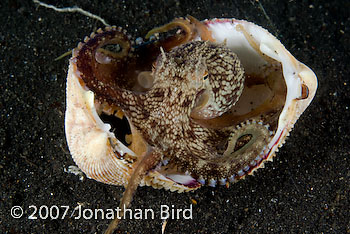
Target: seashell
{"x":238,"y":94}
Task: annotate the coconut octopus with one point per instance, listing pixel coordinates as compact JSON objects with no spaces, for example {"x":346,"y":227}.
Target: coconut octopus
{"x":206,"y":104}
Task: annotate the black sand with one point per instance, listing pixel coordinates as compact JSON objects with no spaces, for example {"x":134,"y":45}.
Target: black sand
{"x":305,"y":190}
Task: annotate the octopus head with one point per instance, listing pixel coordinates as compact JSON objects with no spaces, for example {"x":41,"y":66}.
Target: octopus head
{"x":209,"y":71}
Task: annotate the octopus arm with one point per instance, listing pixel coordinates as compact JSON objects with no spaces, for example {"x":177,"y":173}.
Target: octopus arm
{"x":149,"y":161}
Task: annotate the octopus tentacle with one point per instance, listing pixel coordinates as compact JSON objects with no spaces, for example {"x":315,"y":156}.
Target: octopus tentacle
{"x":111,"y":74}
{"x":148,"y":162}
{"x":191,"y":28}
{"x":188,"y":28}
{"x":246,"y":147}
{"x":202,"y":30}
{"x":100,"y":69}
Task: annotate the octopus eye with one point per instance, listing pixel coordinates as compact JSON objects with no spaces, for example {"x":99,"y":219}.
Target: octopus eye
{"x":205,"y":75}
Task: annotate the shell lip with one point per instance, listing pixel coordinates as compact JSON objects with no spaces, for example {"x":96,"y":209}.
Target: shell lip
{"x":186,"y":180}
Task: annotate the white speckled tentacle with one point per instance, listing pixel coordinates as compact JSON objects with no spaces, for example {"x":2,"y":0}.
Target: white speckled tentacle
{"x":246,"y":148}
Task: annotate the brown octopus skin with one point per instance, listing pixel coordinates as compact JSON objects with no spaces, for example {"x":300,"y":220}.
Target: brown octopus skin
{"x":162,"y":114}
{"x":181,"y":115}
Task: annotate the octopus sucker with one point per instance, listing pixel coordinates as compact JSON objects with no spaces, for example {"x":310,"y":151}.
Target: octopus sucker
{"x":246,"y":148}
{"x":208,"y":104}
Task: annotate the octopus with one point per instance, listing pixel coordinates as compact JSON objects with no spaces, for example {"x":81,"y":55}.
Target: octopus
{"x":207,"y":104}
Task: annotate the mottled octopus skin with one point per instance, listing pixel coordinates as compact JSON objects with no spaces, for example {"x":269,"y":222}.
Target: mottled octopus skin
{"x":191,"y":112}
{"x":162,"y":114}
{"x":184,"y":116}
